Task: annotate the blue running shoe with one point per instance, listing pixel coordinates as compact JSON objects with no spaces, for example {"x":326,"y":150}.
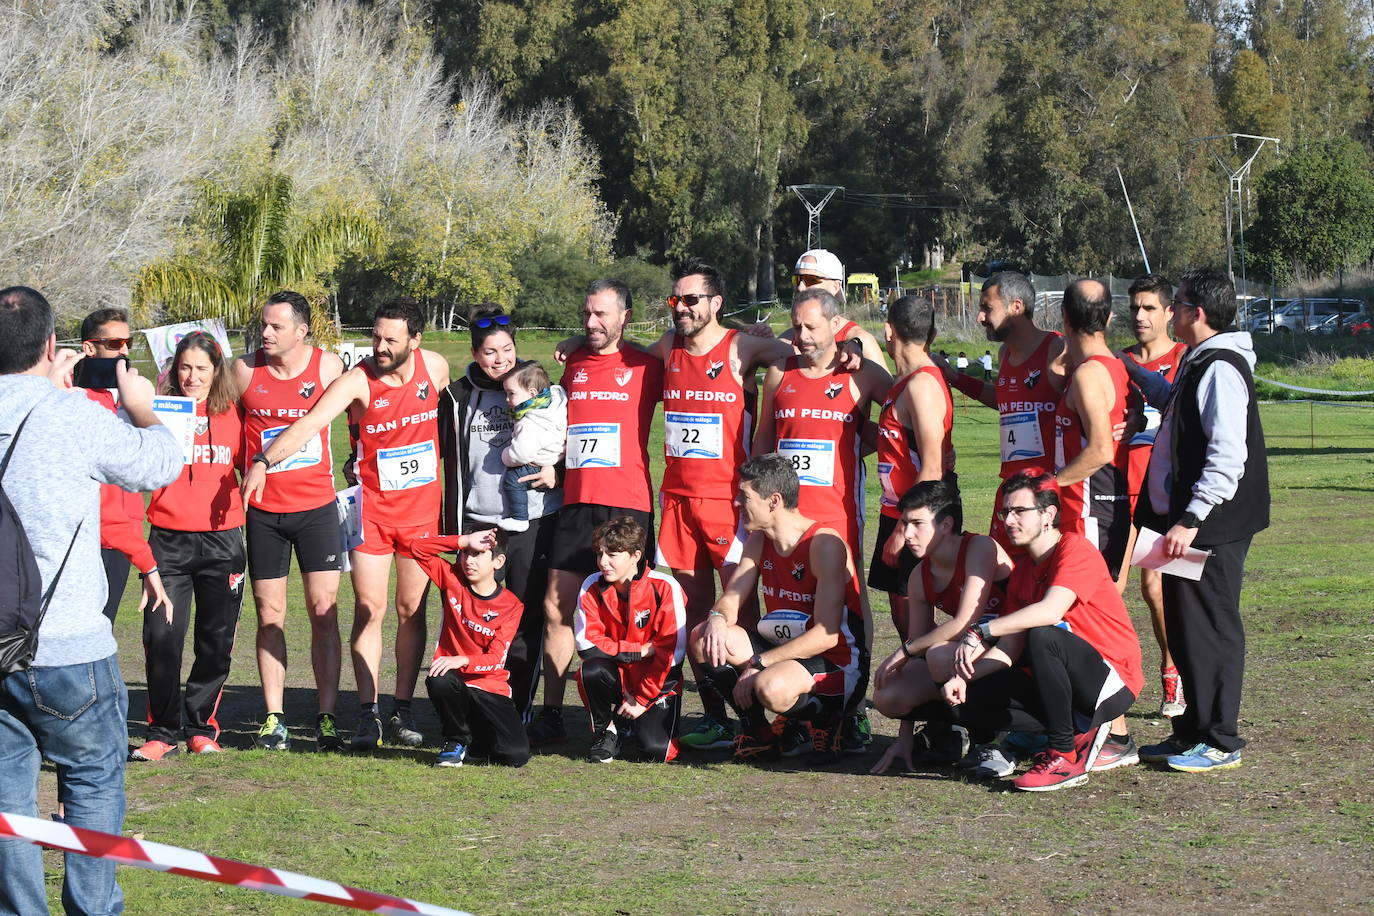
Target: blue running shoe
{"x":452,"y":754}
{"x":1202,"y":758}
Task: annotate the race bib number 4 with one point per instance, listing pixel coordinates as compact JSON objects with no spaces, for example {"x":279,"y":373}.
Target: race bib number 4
{"x":593,"y":445}
{"x":812,"y":459}
{"x":780,"y":626}
{"x":407,"y":466}
{"x":1021,"y":437}
{"x":308,"y":455}
{"x":693,"y":435}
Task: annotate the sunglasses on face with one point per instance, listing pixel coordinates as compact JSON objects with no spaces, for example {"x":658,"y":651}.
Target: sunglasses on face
{"x":499,"y":321}
{"x":688,"y":299}
{"x":112,"y":343}
{"x":806,"y":281}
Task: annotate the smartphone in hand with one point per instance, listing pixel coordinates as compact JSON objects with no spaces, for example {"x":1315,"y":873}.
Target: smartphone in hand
{"x":97,"y":371}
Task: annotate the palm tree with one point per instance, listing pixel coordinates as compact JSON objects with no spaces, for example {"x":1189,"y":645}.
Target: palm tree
{"x":257,"y":246}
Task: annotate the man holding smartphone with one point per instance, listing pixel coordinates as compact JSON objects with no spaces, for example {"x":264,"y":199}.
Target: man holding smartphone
{"x":106,"y":336}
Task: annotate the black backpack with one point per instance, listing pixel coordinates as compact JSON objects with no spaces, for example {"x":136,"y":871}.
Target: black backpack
{"x":22,"y":603}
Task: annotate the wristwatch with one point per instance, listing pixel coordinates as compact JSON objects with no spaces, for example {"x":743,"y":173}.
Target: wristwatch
{"x":757,"y":663}
{"x":261,"y":458}
{"x":984,"y":631}
{"x":1189,"y":520}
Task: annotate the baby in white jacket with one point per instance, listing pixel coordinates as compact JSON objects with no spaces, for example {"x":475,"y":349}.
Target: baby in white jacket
{"x":540,"y":412}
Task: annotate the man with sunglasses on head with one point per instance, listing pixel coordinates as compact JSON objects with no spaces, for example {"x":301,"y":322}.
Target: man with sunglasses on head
{"x":280,"y":382}
{"x":612,"y":392}
{"x":392,"y":400}
{"x":821,"y":269}
{"x":105,"y":334}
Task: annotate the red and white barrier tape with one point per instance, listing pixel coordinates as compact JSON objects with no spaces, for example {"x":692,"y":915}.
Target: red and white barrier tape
{"x":178,"y":861}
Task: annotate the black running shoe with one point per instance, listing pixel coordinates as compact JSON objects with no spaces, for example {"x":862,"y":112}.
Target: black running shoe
{"x":605,"y":748}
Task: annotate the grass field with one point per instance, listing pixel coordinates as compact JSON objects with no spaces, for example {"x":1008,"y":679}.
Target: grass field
{"x":1293,"y":830}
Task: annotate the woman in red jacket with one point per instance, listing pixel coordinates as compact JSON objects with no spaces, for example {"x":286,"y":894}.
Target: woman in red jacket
{"x":197,"y":540}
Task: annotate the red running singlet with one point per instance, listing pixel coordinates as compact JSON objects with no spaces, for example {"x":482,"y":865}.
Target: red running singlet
{"x":708,"y":422}
{"x":398,"y":449}
{"x":611,"y":398}
{"x":947,"y":599}
{"x":817,"y":423}
{"x":898,"y":459}
{"x":1100,"y":493}
{"x":789,"y":600}
{"x":305,"y":480}
{"x":1027,"y":403}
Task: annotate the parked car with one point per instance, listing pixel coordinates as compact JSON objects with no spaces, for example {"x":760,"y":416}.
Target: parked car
{"x":1303,"y":315}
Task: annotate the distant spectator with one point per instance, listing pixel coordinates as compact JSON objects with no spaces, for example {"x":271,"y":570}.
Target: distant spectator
{"x":70,"y":706}
{"x":961,"y":363}
{"x":986,"y":362}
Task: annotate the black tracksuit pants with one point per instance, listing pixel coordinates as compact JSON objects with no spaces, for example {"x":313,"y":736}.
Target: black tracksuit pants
{"x":1070,"y":690}
{"x":486,"y":723}
{"x":599,"y":682}
{"x":116,"y":579}
{"x":1207,"y":641}
{"x":204,"y":569}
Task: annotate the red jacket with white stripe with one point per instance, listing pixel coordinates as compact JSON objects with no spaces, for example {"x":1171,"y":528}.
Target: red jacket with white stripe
{"x":609,"y":626}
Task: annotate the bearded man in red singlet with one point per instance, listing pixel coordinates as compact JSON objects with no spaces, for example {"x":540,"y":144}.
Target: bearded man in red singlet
{"x":1030,"y":380}
{"x":281,"y":381}
{"x":392,"y":401}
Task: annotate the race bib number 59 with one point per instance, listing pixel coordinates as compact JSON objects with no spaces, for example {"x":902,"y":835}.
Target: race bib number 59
{"x":407,"y":466}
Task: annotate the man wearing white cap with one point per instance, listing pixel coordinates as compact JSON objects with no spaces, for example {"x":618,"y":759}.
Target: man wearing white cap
{"x":820,"y":268}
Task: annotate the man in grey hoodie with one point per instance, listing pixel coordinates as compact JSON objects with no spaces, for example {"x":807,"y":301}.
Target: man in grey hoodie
{"x":1208,"y":487}
{"x":70,"y":706}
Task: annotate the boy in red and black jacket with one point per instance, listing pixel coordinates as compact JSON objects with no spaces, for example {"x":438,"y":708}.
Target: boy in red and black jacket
{"x":468,"y":683}
{"x":631,"y":630}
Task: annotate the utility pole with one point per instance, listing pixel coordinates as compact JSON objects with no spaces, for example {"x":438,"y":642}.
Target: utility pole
{"x":823,"y":193}
{"x":1235,"y":198}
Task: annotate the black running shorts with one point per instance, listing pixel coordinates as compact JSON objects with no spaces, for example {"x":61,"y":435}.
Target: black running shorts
{"x":313,"y":533}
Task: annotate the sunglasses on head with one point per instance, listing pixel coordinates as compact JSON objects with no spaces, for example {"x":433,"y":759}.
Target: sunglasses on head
{"x":114,"y":343}
{"x":499,"y":321}
{"x":688,"y":299}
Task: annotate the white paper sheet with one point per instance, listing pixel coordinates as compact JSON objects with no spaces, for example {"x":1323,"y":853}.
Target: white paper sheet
{"x":1149,"y":554}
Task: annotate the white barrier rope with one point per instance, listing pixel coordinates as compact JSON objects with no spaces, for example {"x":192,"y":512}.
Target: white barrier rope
{"x":191,"y":864}
{"x":1345,"y":394}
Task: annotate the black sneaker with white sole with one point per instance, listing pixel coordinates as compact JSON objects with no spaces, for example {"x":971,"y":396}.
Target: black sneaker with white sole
{"x":606,"y":746}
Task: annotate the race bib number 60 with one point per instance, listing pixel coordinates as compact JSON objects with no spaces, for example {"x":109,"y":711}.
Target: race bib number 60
{"x":780,"y":626}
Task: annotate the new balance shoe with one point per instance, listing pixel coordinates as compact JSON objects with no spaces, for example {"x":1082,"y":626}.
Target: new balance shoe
{"x":547,"y":727}
{"x":1052,"y":770}
{"x":1117,"y":751}
{"x":273,"y":735}
{"x":605,"y":747}
{"x":1158,"y":753}
{"x":368,"y":736}
{"x":199,"y":744}
{"x":1202,"y":758}
{"x":994,"y":761}
{"x":327,"y":734}
{"x":152,"y":751}
{"x":709,"y":734}
{"x":451,"y":754}
{"x":401,"y":729}
{"x":825,"y":743}
{"x":761,"y":746}
{"x":857,"y":734}
{"x":793,"y":735}
{"x":1173,"y":703}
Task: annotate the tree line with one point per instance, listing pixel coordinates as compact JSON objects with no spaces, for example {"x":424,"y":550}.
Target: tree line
{"x":465,"y":150}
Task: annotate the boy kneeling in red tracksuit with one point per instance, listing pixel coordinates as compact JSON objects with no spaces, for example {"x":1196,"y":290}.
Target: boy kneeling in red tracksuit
{"x":468,"y":682}
{"x":631,"y":629}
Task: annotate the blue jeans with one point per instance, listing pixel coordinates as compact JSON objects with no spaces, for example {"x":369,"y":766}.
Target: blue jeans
{"x":516,"y":494}
{"x":76,"y":717}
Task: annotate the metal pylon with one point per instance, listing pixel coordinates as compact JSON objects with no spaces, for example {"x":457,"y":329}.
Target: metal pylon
{"x":813,"y":210}
{"x":1235,"y":197}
